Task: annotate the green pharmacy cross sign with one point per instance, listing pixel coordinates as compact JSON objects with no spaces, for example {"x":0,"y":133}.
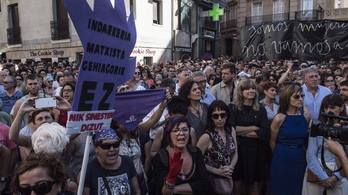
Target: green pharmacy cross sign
{"x":216,"y":12}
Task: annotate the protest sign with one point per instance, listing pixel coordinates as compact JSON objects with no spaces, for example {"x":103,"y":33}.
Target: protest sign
{"x":108,"y":39}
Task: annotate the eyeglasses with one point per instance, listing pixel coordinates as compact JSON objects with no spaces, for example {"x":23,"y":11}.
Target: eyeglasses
{"x":298,"y":96}
{"x":216,"y":116}
{"x":201,"y":82}
{"x":137,"y":73}
{"x":67,"y":90}
{"x":39,"y":189}
{"x":107,"y":146}
{"x":19,"y":79}
{"x":184,"y":130}
{"x":6,"y":82}
{"x":51,"y":81}
{"x":329,"y":81}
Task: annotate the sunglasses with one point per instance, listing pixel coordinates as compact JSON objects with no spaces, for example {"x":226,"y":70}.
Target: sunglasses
{"x":157,"y":85}
{"x":39,"y":189}
{"x":6,"y":82}
{"x":298,"y":96}
{"x":184,"y":130}
{"x":107,"y":146}
{"x":212,"y":78}
{"x":19,"y":79}
{"x":24,"y":74}
{"x":216,"y":116}
{"x":124,"y":88}
{"x":51,"y":81}
{"x":201,"y":82}
{"x":137,"y":73}
{"x":258,"y":73}
{"x":67,"y":90}
{"x":329,"y":81}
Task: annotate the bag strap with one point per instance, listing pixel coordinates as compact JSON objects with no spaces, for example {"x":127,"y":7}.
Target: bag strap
{"x":324,"y":163}
{"x":104,"y":178}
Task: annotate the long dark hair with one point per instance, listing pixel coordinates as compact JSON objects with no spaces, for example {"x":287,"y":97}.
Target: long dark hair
{"x":218,"y":105}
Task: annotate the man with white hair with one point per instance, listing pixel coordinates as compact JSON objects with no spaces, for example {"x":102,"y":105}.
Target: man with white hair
{"x":183,"y":77}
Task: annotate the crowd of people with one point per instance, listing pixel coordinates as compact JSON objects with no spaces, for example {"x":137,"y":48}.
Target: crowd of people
{"x":225,"y":127}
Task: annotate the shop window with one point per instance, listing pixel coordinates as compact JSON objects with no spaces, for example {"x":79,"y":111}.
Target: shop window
{"x":148,"y":61}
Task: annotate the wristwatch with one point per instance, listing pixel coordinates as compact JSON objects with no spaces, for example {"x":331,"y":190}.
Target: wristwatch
{"x":3,"y":179}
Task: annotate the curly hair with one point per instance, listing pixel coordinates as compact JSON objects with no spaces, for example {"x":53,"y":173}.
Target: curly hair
{"x":185,"y":89}
{"x":238,"y":94}
{"x":53,"y":166}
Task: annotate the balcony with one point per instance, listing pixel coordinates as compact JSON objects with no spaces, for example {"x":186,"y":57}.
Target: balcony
{"x":60,"y":29}
{"x":14,"y":36}
{"x":209,"y":24}
{"x":308,"y":15}
{"x":256,"y":20}
{"x":228,"y":24}
{"x":336,"y":14}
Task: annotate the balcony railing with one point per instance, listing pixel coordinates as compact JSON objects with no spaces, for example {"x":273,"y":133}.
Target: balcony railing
{"x":14,"y":36}
{"x":228,"y":24}
{"x":209,"y":24}
{"x":255,"y":20}
{"x":309,"y":15}
{"x":60,"y":29}
{"x":336,"y":14}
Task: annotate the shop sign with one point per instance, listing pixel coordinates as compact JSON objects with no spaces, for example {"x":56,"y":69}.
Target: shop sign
{"x":209,"y":34}
{"x":48,"y":52}
{"x":144,"y":51}
{"x":183,"y":49}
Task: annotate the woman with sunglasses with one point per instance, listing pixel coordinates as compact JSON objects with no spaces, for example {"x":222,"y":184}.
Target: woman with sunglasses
{"x":110,"y":172}
{"x":288,"y":137}
{"x":333,"y":183}
{"x":250,"y":122}
{"x":179,"y":167}
{"x":48,"y":82}
{"x":218,"y":143}
{"x":40,"y":173}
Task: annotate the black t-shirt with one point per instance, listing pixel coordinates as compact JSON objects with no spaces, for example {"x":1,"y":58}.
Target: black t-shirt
{"x":119,"y":180}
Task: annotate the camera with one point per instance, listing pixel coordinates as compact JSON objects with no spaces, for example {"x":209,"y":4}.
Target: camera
{"x":337,"y":133}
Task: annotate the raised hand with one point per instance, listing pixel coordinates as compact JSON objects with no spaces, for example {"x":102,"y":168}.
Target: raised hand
{"x":175,"y":165}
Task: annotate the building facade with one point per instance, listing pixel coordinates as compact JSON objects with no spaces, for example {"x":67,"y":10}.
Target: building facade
{"x":239,"y":13}
{"x":41,"y":30}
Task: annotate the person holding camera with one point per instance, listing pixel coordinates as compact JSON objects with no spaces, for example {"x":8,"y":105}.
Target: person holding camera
{"x":317,"y":179}
{"x":338,"y":150}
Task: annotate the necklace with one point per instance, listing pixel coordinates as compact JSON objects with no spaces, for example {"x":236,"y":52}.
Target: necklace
{"x":197,"y":111}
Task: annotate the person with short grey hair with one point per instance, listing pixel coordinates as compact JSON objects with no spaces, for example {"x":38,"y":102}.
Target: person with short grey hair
{"x":201,"y":80}
{"x":314,"y":93}
{"x":11,"y":94}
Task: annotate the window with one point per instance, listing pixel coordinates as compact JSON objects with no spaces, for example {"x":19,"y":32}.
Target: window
{"x":156,"y":9}
{"x":60,"y":22}
{"x":148,"y":61}
{"x":130,"y":4}
{"x":256,"y":13}
{"x":13,"y":32}
{"x":307,"y":4}
{"x":208,"y":46}
{"x":278,"y":10}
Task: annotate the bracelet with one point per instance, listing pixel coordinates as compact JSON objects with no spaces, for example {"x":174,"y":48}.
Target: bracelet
{"x":168,"y":186}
